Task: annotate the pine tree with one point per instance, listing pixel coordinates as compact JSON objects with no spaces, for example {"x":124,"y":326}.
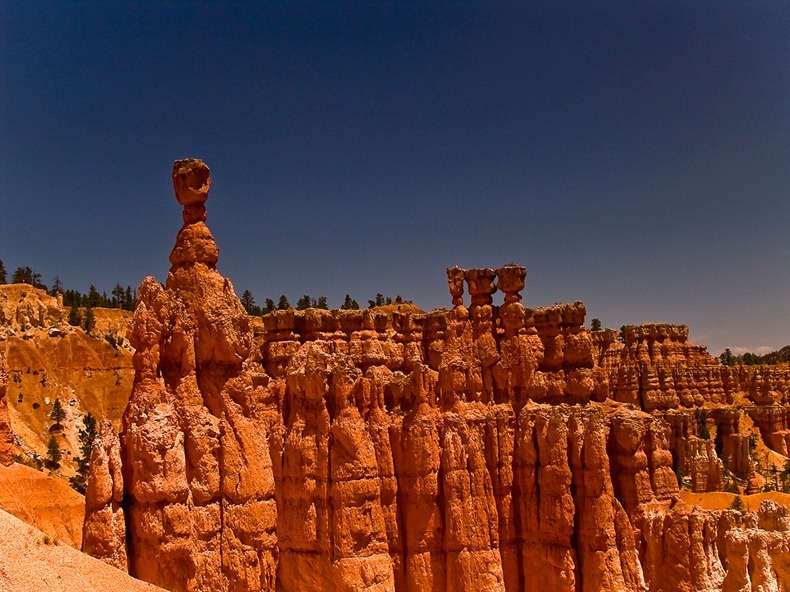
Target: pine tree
{"x":282,"y":303}
{"x":702,"y":424}
{"x":346,"y":303}
{"x":86,"y":437}
{"x":90,"y":320}
{"x":117,"y":296}
{"x":595,"y":325}
{"x":74,"y":315}
{"x":94,"y":298}
{"x":726,"y":358}
{"x":3,"y":276}
{"x":269,"y":306}
{"x":53,"y":454}
{"x":322,"y":303}
{"x":247,"y":301}
{"x":57,"y":415}
{"x":22,"y":275}
{"x":57,"y":286}
{"x":128,"y":299}
{"x":37,"y":283}
{"x":303,"y":303}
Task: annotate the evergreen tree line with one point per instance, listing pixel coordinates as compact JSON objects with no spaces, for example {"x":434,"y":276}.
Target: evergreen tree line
{"x":306,"y":301}
{"x":119,"y":297}
{"x":781,"y":356}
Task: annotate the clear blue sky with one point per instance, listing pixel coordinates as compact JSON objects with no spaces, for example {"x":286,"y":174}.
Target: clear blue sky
{"x":633,"y":155}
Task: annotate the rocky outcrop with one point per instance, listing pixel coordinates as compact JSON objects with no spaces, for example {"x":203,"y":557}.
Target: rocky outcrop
{"x":46,"y":359}
{"x":773,"y":421}
{"x":104,"y":529}
{"x":481,"y":448}
{"x":7,"y":451}
{"x":24,"y":307}
{"x":86,"y":374}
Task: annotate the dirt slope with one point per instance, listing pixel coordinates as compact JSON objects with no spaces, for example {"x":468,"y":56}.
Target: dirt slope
{"x":45,"y":502}
{"x":31,"y":562}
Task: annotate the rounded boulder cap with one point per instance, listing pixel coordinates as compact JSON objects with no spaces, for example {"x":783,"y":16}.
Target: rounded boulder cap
{"x":191,"y":181}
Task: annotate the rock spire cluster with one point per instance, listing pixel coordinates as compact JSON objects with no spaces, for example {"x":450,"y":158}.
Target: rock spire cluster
{"x":497,"y":448}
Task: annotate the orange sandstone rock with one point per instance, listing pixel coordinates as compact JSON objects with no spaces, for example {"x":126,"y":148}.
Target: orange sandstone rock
{"x":496,"y":448}
{"x":6,"y":434}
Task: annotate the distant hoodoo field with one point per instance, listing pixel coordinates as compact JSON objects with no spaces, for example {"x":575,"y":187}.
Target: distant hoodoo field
{"x":481,"y":448}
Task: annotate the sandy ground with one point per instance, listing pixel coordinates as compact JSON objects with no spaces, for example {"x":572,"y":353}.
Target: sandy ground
{"x":31,"y":562}
{"x":47,"y":503}
{"x":719,"y":500}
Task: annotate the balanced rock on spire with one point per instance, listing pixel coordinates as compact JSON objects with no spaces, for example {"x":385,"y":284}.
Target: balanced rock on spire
{"x":194,"y":243}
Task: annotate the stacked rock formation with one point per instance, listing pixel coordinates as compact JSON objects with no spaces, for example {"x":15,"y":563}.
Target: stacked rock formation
{"x":200,"y":511}
{"x":362,"y":450}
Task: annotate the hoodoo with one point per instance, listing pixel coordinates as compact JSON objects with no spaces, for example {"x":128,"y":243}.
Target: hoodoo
{"x":199,"y":511}
{"x":485,"y":448}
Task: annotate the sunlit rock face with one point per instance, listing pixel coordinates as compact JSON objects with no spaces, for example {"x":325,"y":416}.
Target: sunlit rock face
{"x":491,"y":448}
{"x":6,"y":435}
{"x":197,"y":477}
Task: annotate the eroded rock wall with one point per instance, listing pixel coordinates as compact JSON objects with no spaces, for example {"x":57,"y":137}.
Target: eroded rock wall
{"x":481,"y":448}
{"x":7,"y":451}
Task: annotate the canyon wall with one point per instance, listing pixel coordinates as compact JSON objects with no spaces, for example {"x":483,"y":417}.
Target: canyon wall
{"x":481,"y":448}
{"x":6,"y":434}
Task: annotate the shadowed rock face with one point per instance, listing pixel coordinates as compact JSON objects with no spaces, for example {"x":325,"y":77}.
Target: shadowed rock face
{"x":470,"y":449}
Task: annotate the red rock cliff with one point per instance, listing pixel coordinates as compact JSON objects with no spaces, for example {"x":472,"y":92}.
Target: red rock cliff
{"x":6,"y":435}
{"x":481,"y":448}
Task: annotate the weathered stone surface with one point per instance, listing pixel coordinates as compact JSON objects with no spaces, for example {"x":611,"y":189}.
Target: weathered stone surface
{"x":196,"y":463}
{"x":6,"y":434}
{"x":496,"y":448}
{"x":104,"y":530}
{"x":24,"y":307}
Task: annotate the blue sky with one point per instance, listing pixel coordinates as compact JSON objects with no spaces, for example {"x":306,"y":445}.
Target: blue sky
{"x":633,"y":155}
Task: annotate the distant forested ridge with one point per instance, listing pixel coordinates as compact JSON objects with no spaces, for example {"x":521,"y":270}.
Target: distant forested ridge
{"x":119,"y":296}
{"x":781,"y":356}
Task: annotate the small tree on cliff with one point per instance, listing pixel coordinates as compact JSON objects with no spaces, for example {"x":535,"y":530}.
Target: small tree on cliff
{"x":379,"y":301}
{"x":89,"y":322}
{"x":86,"y":437}
{"x":702,"y":424}
{"x":303,"y":303}
{"x":53,"y":454}
{"x":128,"y":299}
{"x":268,"y":306}
{"x":22,"y":275}
{"x":3,"y":276}
{"x":595,"y":324}
{"x":350,"y":304}
{"x":74,"y":315}
{"x":726,"y":358}
{"x":57,"y":415}
{"x":282,"y":303}
{"x":248,"y":302}
{"x":738,"y":505}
